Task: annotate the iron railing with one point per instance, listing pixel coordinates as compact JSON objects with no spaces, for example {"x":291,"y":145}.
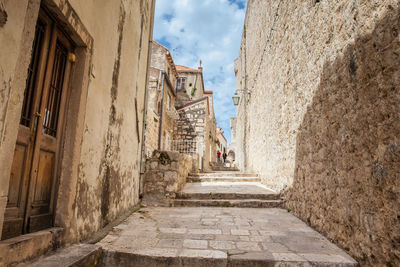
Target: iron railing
{"x":186,"y":146}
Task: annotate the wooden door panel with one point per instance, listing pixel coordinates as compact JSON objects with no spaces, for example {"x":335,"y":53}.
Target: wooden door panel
{"x":12,"y":227}
{"x":48,"y":143}
{"x":18,"y":186}
{"x":13,"y":222}
{"x":17,"y":176}
{"x":14,"y":219}
{"x":44,"y":180}
{"x":40,"y":222}
{"x":34,"y":170}
{"x":42,"y":188}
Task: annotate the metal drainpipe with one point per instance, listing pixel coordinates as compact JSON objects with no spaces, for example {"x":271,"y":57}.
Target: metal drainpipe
{"x":146,"y":100}
{"x":161,"y":110}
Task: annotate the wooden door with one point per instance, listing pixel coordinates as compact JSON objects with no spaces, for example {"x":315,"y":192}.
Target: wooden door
{"x":31,"y":195}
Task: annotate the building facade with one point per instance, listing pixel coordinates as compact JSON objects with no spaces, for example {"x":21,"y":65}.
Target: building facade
{"x":221,"y":141}
{"x":318,"y":116}
{"x":197,"y":121}
{"x":161,"y":115}
{"x":190,"y":85}
{"x":72,"y":94}
{"x":232,"y":146}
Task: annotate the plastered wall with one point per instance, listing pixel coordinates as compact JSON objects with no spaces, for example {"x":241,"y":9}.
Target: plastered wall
{"x":108,"y":178}
{"x":99,"y":174}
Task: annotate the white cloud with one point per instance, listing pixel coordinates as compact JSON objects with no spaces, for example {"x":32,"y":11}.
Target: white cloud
{"x":209,"y":30}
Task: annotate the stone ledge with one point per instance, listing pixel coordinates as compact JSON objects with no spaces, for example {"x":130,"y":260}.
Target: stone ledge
{"x":26,"y":247}
{"x":78,"y":255}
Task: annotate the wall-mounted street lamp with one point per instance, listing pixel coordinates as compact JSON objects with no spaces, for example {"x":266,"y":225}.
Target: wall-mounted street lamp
{"x":236,"y":96}
{"x":235,"y":99}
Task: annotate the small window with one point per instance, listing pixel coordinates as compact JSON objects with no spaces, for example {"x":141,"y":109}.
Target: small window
{"x":190,"y":84}
{"x":168,"y":101}
{"x":181,"y":84}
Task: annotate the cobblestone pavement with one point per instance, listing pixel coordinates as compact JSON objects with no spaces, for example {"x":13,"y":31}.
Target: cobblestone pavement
{"x":225,"y":234}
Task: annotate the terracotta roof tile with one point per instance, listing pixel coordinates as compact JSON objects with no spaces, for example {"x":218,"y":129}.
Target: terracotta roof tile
{"x":186,"y":69}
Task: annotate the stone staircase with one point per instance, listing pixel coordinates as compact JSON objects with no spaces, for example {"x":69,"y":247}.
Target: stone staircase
{"x":226,"y":189}
{"x":215,"y":166}
{"x":213,"y":223}
{"x":222,"y":177}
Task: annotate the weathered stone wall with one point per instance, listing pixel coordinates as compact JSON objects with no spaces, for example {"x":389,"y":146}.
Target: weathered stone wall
{"x":108,"y":183}
{"x":165,"y":175}
{"x":323,"y":116}
{"x":196,"y":124}
{"x":212,"y":130}
{"x":168,"y":120}
{"x":191,"y":123}
{"x":100,"y":153}
{"x":232,"y":146}
{"x":152,"y":115}
{"x":194,"y":88}
{"x":161,"y":99}
{"x":158,"y":56}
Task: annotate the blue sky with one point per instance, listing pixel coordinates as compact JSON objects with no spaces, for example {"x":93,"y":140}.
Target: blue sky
{"x":209,"y":30}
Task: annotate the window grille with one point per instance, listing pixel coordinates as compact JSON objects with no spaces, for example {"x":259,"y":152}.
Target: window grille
{"x":181,"y":83}
{"x":186,"y":146}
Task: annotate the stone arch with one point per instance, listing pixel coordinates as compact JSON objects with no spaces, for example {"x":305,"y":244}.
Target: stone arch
{"x":231,"y":156}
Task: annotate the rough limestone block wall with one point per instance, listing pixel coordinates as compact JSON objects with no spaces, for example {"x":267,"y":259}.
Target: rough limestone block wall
{"x":165,"y":175}
{"x":191,"y":123}
{"x":324,"y":116}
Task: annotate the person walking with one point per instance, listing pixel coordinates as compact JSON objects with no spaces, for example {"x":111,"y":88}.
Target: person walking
{"x":224,"y":157}
{"x":219,"y":157}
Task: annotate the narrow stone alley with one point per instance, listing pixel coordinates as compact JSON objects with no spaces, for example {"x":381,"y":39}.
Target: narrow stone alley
{"x":211,"y":224}
{"x":190,"y":133}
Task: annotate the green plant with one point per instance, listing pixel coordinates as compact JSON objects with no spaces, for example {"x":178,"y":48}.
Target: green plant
{"x":193,"y":91}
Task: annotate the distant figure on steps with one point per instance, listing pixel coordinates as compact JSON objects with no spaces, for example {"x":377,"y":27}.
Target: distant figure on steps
{"x":224,"y":157}
{"x":219,"y":157}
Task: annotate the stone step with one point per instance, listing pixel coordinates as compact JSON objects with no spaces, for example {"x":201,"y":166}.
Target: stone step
{"x":227,"y":196}
{"x":227,"y":191}
{"x":195,"y":179}
{"x":207,"y":236}
{"x":29,"y":246}
{"x":196,"y":257}
{"x":218,"y":195}
{"x":76,"y":256}
{"x":238,"y":203}
{"x":223,"y":174}
{"x":221,"y":168}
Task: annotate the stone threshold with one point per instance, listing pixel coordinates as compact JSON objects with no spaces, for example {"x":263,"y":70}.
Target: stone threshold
{"x":26,"y":247}
{"x":81,"y":255}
